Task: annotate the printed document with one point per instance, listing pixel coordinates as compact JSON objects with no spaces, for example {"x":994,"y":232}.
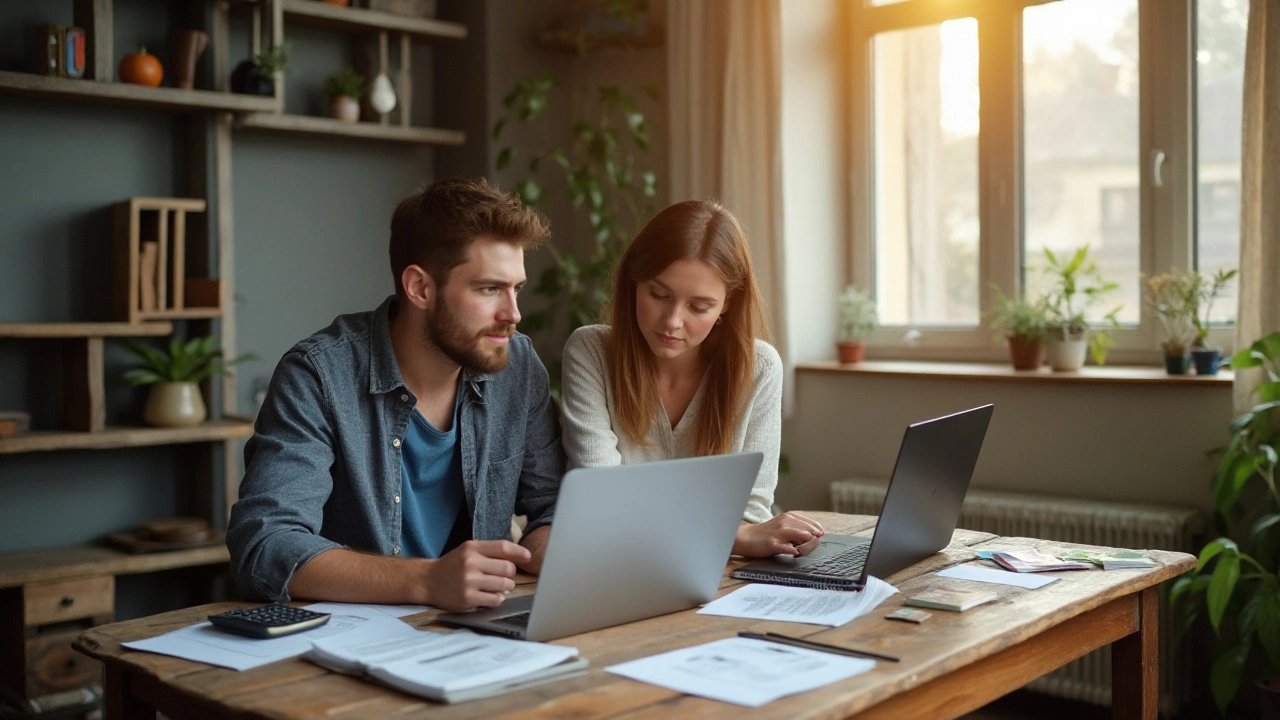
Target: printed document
{"x":203,"y":643}
{"x":1000,"y":577}
{"x":766,"y":601}
{"x":741,"y":671}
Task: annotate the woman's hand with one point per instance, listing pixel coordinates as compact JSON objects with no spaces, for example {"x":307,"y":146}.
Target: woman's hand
{"x":787,"y":534}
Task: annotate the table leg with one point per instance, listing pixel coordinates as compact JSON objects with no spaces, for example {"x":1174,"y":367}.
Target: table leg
{"x":120,"y":702}
{"x":1135,"y":664}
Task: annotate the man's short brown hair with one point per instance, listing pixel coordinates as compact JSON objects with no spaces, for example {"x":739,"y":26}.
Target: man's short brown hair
{"x":434,"y":228}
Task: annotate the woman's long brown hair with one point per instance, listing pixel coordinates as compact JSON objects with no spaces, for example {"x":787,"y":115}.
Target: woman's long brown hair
{"x":690,"y":230}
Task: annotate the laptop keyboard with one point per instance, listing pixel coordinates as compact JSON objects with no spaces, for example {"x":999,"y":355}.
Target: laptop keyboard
{"x":844,"y":564}
{"x":520,"y":619}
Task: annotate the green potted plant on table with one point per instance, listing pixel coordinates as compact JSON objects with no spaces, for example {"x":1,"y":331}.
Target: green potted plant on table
{"x":1024,"y":325}
{"x":1174,"y":298}
{"x":1207,"y":357}
{"x":344,"y":90}
{"x":858,"y":317}
{"x":1238,"y":583}
{"x":1077,"y":286}
{"x":174,"y":400}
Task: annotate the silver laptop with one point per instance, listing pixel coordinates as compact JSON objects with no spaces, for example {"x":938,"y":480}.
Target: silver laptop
{"x":629,"y":542}
{"x":917,"y":519}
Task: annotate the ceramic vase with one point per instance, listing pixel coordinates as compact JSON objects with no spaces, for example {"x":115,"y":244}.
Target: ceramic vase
{"x":382,"y":97}
{"x":188,"y":46}
{"x":344,"y":108}
{"x":174,"y":404}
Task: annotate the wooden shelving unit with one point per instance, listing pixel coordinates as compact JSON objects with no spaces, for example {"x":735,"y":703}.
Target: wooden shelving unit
{"x":308,"y":125}
{"x":349,"y":19}
{"x":17,"y":569}
{"x":114,"y":93}
{"x":122,"y":437}
{"x":68,"y":331}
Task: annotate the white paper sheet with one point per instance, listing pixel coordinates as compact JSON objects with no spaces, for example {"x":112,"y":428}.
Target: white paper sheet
{"x":1000,"y":577}
{"x":765,"y":601}
{"x":741,"y":671}
{"x":455,"y":661}
{"x":202,"y":643}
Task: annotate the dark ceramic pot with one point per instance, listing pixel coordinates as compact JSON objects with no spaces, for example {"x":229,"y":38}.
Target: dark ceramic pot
{"x":247,"y":80}
{"x":1206,"y":360}
{"x":1177,"y":364}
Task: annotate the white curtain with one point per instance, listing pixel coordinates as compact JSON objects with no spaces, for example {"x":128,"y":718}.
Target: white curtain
{"x":724,"y":70}
{"x":1259,"y":311}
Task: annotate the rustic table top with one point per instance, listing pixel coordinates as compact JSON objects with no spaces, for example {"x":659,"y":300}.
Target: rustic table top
{"x":946,"y":642}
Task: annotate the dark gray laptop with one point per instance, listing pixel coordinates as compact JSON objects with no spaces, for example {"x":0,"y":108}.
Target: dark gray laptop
{"x":917,"y":519}
{"x":629,"y":542}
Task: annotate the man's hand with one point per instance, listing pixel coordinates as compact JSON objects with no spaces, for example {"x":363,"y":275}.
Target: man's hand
{"x":787,"y":534}
{"x":477,"y":573}
{"x":536,"y":542}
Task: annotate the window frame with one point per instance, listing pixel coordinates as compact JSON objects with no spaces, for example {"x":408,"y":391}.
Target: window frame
{"x":1167,"y":213}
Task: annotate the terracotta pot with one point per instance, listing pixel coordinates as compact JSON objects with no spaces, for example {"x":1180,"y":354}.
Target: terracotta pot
{"x":1025,"y":354}
{"x":849,"y":353}
{"x":345,"y":108}
{"x":174,"y":404}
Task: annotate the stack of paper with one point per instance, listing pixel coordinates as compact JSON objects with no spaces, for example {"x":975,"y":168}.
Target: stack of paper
{"x":1032,"y":561}
{"x":1111,"y":559}
{"x":765,"y":601}
{"x":448,"y":667}
{"x":945,"y":598}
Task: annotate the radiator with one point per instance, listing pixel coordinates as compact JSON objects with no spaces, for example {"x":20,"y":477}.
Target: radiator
{"x":1087,"y":679}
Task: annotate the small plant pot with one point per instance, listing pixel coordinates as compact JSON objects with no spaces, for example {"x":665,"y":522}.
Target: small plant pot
{"x":1177,"y":364}
{"x":247,"y":80}
{"x":345,"y":109}
{"x":1025,"y":354}
{"x":849,"y":353}
{"x":174,"y":404}
{"x":1206,"y":360}
{"x":1066,"y":355}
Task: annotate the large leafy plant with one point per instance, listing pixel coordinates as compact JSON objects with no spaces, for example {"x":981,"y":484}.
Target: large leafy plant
{"x":191,"y":361}
{"x":1237,"y":583}
{"x":1076,"y":286}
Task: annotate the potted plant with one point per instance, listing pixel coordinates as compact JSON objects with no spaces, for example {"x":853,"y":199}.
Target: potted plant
{"x":1173,"y":298}
{"x":1206,"y":357}
{"x":1237,"y":584}
{"x":1077,"y":286}
{"x":257,"y":75}
{"x":174,"y":400}
{"x":1024,"y":325}
{"x":344,"y":90}
{"x":858,"y":317}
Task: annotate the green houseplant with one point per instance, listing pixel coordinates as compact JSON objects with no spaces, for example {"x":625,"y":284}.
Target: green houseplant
{"x":1237,"y":581}
{"x":256,"y":76}
{"x":1174,"y":299}
{"x":1076,"y":286}
{"x":344,"y":89}
{"x":1207,"y":357}
{"x":1024,"y":324}
{"x":174,"y":400}
{"x":858,"y":318}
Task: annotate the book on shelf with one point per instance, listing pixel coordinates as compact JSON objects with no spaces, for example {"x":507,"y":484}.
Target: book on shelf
{"x":447,"y":667}
{"x":946,"y":598}
{"x":1032,"y":561}
{"x":1111,"y":559}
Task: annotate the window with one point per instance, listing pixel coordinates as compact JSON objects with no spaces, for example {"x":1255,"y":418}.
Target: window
{"x":998,"y":130}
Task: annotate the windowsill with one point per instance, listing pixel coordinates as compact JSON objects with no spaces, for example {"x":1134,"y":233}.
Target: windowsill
{"x":1108,"y":374}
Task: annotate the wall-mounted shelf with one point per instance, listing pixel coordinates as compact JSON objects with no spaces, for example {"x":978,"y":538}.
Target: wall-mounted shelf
{"x":308,"y":125}
{"x":349,"y":19}
{"x":114,"y":93}
{"x":18,"y":569}
{"x":121,"y":437}
{"x":66,"y":331}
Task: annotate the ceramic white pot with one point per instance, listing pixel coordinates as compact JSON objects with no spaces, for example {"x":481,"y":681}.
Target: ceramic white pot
{"x":382,"y":97}
{"x":175,"y":404}
{"x":345,"y":108}
{"x":1066,"y":355}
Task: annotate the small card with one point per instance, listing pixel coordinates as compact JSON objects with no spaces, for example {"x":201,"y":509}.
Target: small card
{"x":910,"y":615}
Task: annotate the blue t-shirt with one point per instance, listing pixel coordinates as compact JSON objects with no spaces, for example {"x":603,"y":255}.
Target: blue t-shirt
{"x":430,"y":486}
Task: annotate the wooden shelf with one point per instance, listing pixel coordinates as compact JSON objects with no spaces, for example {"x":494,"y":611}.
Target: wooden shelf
{"x":1112,"y":374}
{"x":161,"y":98}
{"x":120,"y":437}
{"x":18,"y":569}
{"x":82,"y":330}
{"x":334,"y":17}
{"x":309,"y":125}
{"x":189,"y":313}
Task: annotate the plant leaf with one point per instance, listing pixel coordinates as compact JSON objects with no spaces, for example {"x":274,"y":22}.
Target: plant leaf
{"x":504,"y":158}
{"x":1268,"y":625}
{"x":142,"y":376}
{"x":1224,"y":678}
{"x":1222,"y":586}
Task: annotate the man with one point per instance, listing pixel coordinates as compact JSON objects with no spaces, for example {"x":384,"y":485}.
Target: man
{"x":390,"y":439}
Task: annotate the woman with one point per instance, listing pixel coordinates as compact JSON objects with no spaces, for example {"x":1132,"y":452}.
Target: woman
{"x":681,"y":371}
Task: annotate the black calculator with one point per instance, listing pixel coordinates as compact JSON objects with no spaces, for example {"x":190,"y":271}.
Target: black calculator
{"x":268,"y":621}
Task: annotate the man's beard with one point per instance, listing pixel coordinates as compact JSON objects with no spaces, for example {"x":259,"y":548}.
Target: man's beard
{"x":462,"y":347}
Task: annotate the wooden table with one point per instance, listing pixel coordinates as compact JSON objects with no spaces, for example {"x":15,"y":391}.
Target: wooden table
{"x":951,"y":664}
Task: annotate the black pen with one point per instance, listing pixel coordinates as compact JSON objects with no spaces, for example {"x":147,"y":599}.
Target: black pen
{"x":813,"y":645}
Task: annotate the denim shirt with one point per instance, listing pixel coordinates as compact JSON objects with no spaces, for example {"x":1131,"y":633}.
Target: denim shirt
{"x":323,"y":466}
